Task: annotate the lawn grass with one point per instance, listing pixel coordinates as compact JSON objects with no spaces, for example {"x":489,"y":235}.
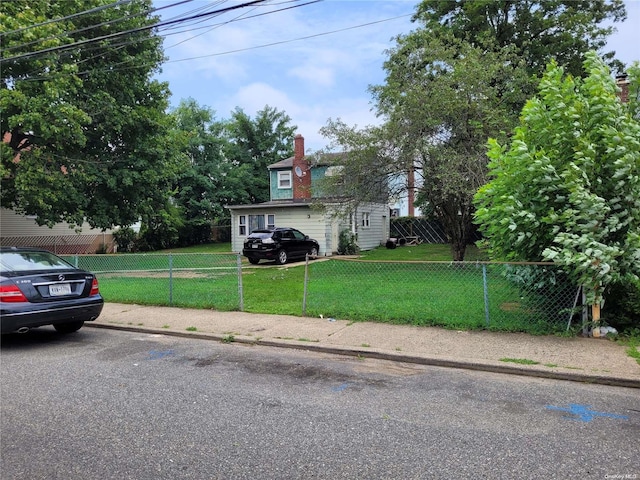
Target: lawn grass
{"x":424,"y":252}
{"x":213,"y":247}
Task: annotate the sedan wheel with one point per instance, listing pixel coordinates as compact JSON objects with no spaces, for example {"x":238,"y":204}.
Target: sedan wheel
{"x":282,"y":257}
{"x":68,"y":327}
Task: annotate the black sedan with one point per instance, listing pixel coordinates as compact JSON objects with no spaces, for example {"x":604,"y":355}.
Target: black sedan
{"x":39,"y":288}
{"x":279,"y":244}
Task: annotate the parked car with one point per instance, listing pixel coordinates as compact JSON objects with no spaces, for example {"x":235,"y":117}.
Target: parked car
{"x":39,"y":288}
{"x":279,"y":244}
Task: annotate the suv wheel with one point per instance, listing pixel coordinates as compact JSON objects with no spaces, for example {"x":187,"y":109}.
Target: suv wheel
{"x":313,"y":253}
{"x":282,"y":257}
{"x":254,"y":261}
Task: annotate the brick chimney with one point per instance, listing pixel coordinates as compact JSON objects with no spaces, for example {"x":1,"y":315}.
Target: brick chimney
{"x":301,"y":172}
{"x":623,"y":83}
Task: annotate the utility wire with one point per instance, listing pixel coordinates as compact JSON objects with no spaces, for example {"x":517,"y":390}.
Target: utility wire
{"x":111,"y":68}
{"x":127,"y":32}
{"x":68,"y":17}
{"x":91,"y":27}
{"x":114,"y":46}
{"x":290,"y":40}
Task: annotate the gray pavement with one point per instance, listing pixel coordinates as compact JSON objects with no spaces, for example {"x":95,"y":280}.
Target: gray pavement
{"x":577,"y":359}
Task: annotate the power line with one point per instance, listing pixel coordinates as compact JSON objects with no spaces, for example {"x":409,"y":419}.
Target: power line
{"x":223,"y":53}
{"x":127,"y":32}
{"x":90,"y":27}
{"x":49,"y":75}
{"x":68,"y":17}
{"x":290,"y":40}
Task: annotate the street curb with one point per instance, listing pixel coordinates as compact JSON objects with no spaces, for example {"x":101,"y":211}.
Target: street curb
{"x":352,"y":352}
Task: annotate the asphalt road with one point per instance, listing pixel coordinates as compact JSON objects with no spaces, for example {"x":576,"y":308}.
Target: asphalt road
{"x":104,"y":404}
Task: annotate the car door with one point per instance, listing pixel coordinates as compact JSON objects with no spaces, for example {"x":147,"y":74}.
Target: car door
{"x":301,"y":243}
{"x":288,"y":242}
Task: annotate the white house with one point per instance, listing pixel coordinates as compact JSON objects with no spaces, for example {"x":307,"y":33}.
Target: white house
{"x":292,"y":205}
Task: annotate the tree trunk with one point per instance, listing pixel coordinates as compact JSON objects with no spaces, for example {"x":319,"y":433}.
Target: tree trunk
{"x":456,"y":221}
{"x":457,"y":250}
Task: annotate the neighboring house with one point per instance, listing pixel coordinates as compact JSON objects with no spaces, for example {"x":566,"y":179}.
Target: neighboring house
{"x":22,"y":231}
{"x":292,"y":205}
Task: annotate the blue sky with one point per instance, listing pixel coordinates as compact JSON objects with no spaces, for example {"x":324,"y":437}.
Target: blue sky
{"x":290,"y":61}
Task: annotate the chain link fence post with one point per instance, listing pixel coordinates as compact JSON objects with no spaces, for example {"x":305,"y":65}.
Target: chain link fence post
{"x":240,"y":287}
{"x":170,"y":280}
{"x":486,"y":293}
{"x":306,"y":283}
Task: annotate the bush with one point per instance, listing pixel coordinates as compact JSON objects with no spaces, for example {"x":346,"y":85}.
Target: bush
{"x":347,"y":243}
{"x":622,"y":306}
{"x":125,"y":239}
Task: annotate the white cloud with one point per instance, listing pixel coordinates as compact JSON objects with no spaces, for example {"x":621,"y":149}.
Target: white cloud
{"x":253,"y":97}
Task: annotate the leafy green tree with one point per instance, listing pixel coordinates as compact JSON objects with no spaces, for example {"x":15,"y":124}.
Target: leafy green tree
{"x":201,"y":189}
{"x":566,"y":187}
{"x":88,"y":136}
{"x":255,"y":144}
{"x":540,"y":30}
{"x":442,"y":99}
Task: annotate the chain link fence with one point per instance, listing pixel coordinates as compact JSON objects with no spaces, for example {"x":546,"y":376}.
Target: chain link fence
{"x":463,"y":295}
{"x":422,"y":229}
{"x":190,"y":280}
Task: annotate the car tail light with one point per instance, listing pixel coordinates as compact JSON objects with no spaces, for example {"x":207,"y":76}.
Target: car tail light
{"x":94,"y":287}
{"x":11,"y":293}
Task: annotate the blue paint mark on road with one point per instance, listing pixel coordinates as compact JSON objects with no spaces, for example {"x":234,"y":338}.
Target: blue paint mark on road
{"x":341,"y":388}
{"x":583,"y":413}
{"x":158,"y":354}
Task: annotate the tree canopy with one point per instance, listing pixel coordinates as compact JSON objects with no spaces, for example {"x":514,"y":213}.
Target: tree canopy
{"x":540,"y":30}
{"x":566,"y":187}
{"x":441,"y":100}
{"x":87,"y":130}
{"x":255,"y":144}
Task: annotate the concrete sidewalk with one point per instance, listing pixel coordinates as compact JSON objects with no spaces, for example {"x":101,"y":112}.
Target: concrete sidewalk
{"x":578,"y":359}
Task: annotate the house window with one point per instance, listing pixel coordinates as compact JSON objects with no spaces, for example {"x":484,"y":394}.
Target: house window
{"x":242,"y":224}
{"x":258,"y":222}
{"x":366,"y":220}
{"x":284,"y":179}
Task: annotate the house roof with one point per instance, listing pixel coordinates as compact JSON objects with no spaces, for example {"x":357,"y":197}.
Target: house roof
{"x":325,"y":159}
{"x":298,"y":202}
{"x":289,"y":202}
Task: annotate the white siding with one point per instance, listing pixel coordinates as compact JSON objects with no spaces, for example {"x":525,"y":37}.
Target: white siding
{"x":15,"y":225}
{"x":20,"y":230}
{"x":377,"y":232}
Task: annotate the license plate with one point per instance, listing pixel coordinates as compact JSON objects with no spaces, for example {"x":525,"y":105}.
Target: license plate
{"x":61,"y":289}
{"x":255,"y":245}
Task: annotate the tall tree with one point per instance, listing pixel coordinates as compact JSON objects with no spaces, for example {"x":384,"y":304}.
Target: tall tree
{"x":566,"y":187}
{"x":255,"y":144}
{"x":202,"y":189}
{"x":441,"y":99}
{"x":88,"y":136}
{"x":540,"y":30}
